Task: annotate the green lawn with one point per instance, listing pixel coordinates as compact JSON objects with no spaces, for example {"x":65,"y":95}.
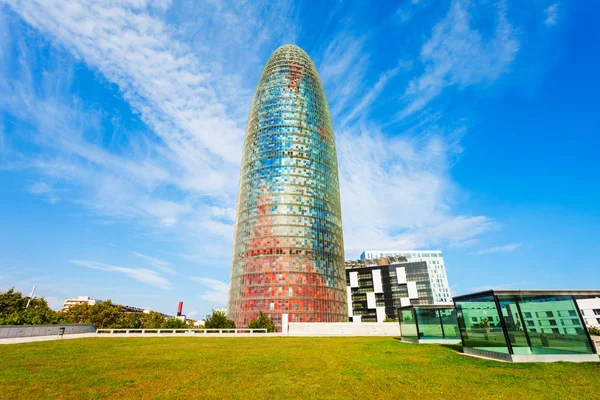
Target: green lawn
{"x":279,"y":367}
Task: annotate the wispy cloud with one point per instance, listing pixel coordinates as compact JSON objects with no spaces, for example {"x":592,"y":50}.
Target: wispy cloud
{"x":218,"y":292}
{"x":45,"y":190}
{"x":161,"y":265}
{"x":551,"y":15}
{"x":498,"y":249}
{"x":395,"y":192}
{"x":181,"y":176}
{"x":142,"y":275}
{"x":456,"y":54}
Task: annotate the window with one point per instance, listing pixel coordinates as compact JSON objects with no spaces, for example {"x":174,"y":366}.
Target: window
{"x":550,"y":315}
{"x":555,"y":330}
{"x":528,"y":315}
{"x":474,"y":319}
{"x":530,"y":323}
{"x":552,"y":322}
{"x":572,"y":313}
{"x":597,"y":311}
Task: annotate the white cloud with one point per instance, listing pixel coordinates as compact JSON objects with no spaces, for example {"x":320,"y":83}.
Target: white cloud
{"x":218,"y":293}
{"x":498,"y":249}
{"x":164,"y":266}
{"x":44,"y":189}
{"x":456,"y":54}
{"x":186,"y":82}
{"x":395,"y":192}
{"x":551,"y":15}
{"x":142,"y":275}
{"x":192,"y":314}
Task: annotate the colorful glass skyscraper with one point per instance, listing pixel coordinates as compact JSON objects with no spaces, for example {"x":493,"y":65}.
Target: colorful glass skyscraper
{"x":288,"y":253}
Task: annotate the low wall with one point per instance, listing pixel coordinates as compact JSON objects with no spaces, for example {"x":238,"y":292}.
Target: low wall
{"x":343,"y":329}
{"x":596,"y":340}
{"x":16,"y":331}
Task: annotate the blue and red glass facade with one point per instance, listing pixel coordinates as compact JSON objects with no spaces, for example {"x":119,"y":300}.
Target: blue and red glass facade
{"x":288,"y":255}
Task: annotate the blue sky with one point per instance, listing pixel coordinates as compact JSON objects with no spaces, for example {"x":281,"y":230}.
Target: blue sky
{"x":470,"y":127}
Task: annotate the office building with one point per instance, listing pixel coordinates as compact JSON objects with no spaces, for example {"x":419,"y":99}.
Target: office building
{"x":435,"y":266}
{"x":288,"y":253}
{"x":68,"y":303}
{"x":376,"y":288}
{"x":590,"y":311}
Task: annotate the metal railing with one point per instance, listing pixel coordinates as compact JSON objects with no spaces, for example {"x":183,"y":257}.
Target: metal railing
{"x":178,"y":331}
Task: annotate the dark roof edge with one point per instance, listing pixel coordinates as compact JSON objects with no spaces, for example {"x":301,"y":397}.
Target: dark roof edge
{"x":572,"y":292}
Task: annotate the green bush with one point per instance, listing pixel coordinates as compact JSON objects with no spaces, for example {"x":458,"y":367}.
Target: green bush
{"x":594,"y":331}
{"x":218,"y":320}
{"x":388,"y":319}
{"x":262,"y":322}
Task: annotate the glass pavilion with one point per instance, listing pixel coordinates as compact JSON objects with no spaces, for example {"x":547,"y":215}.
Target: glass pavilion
{"x":428,"y":324}
{"x":525,"y":325}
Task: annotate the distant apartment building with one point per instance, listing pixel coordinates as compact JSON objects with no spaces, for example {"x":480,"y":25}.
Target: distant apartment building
{"x":79,"y":300}
{"x":435,"y":268}
{"x":92,"y":301}
{"x":590,"y":311}
{"x":376,"y":288}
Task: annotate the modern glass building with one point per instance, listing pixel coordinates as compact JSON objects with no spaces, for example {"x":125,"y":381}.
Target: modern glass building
{"x":435,"y":268}
{"x":428,"y":324}
{"x":288,"y":254}
{"x":525,"y":325}
{"x":376,"y":288}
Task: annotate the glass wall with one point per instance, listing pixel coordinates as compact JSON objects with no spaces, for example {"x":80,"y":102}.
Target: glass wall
{"x":408,"y":325}
{"x":479,"y":324}
{"x":449,"y":323}
{"x":429,"y":323}
{"x":534,"y":324}
{"x":517,"y":335}
{"x":554,"y":325}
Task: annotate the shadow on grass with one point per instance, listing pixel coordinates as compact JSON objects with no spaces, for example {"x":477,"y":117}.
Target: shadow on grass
{"x":456,"y":347}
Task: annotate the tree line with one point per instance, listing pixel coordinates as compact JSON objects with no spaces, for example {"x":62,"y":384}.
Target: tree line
{"x":105,"y":315}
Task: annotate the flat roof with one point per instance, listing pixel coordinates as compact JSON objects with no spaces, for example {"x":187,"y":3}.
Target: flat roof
{"x":534,"y":292}
{"x":430,"y":306}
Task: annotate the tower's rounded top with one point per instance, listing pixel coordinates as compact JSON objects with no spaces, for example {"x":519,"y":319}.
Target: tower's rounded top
{"x":290,"y":49}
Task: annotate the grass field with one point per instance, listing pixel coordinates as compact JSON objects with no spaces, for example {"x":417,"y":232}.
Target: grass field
{"x":268,"y":368}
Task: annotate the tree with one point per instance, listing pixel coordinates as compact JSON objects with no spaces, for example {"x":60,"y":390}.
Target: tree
{"x":131,"y":320}
{"x":262,"y":322}
{"x":218,"y":320}
{"x":173,"y":323}
{"x":13,"y":312}
{"x":102,"y":315}
{"x":594,"y":331}
{"x":152,"y":320}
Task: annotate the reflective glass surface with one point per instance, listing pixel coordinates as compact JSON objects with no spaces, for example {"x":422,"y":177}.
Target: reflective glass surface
{"x":408,"y":326}
{"x":430,"y":326}
{"x":479,"y":324}
{"x":554,"y":326}
{"x":449,"y":323}
{"x":535,"y":324}
{"x":288,"y":254}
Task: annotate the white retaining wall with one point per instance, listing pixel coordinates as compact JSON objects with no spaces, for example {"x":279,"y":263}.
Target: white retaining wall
{"x":343,"y":329}
{"x":16,"y":331}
